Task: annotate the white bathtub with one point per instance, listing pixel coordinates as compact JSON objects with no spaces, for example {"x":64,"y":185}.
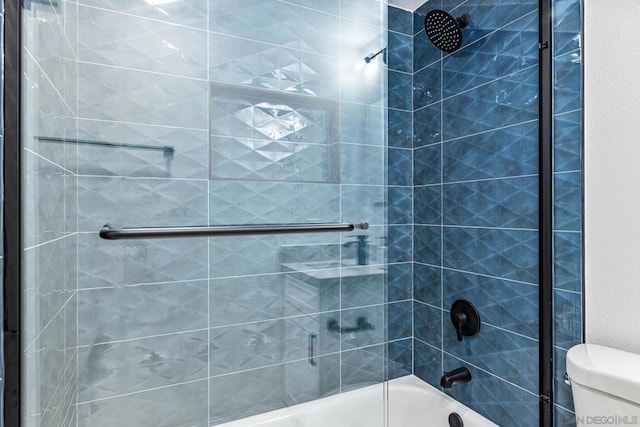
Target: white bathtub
{"x":412,"y":403}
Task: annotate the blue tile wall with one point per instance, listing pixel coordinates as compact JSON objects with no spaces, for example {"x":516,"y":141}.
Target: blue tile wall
{"x":269,"y":123}
{"x":475,"y":139}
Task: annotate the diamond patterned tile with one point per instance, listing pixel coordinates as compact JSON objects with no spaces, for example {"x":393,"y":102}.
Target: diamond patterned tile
{"x":567,"y":25}
{"x":510,"y":151}
{"x":49,"y":283}
{"x":114,"y":264}
{"x":427,"y":287}
{"x":108,"y":370}
{"x":149,"y":202}
{"x":362,"y":164}
{"x":399,"y":243}
{"x":165,"y":407}
{"x":192,"y":13}
{"x":238,"y":256}
{"x":251,"y":63}
{"x":51,"y":49}
{"x":237,"y":202}
{"x":567,"y":267}
{"x":511,"y":254}
{"x":362,"y":123}
{"x":424,"y":52}
{"x":362,"y":367}
{"x":427,"y":244}
{"x":400,"y":21}
{"x":568,"y":82}
{"x":375,"y":316}
{"x":400,"y":282}
{"x":271,"y":116}
{"x":399,"y":358}
{"x":400,"y":90}
{"x":127,"y":41}
{"x":427,"y":86}
{"x":510,"y":100}
{"x":487,"y":17}
{"x":427,"y":321}
{"x":365,"y":203}
{"x":499,"y":401}
{"x":567,"y":307}
{"x":245,"y":393}
{"x":44,"y":363}
{"x":246,"y":299}
{"x":400,"y":128}
{"x":44,"y":202}
{"x":427,"y":125}
{"x":399,"y":166}
{"x":567,"y":201}
{"x":400,"y":52}
{"x":243,"y":158}
{"x":138,"y":311}
{"x":427,"y":204}
{"x":426,"y":165}
{"x":241,"y":347}
{"x":567,"y":142}
{"x":509,"y":49}
{"x":189,"y":160}
{"x":400,"y":205}
{"x":508,"y":305}
{"x":361,"y":288}
{"x":304,"y":382}
{"x":277,"y":23}
{"x":117,"y":94}
{"x":399,"y":321}
{"x":427,"y":363}
{"x":509,"y":203}
{"x":371,"y":12}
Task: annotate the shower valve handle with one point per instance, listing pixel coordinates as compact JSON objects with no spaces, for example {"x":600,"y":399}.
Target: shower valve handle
{"x":465,"y":319}
{"x":459,"y":321}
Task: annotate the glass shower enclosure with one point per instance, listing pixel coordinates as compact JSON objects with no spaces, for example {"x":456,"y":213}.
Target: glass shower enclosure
{"x":203,"y":115}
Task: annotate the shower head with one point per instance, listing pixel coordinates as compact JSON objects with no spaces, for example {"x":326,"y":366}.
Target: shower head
{"x":445,"y":31}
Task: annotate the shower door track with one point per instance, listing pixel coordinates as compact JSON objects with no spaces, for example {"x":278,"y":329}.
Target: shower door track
{"x":109,"y":233}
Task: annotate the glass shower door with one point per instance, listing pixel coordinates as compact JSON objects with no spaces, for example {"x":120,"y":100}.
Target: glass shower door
{"x":190,"y":113}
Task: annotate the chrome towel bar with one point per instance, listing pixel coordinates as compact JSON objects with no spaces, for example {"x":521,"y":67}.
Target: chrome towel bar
{"x":109,"y":233}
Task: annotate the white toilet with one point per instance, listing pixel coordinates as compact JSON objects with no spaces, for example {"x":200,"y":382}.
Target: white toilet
{"x":605,"y":383}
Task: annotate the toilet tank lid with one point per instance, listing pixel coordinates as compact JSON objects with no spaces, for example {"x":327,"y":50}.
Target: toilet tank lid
{"x":611,"y":371}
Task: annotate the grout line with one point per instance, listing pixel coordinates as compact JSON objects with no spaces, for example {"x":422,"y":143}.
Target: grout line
{"x":122,"y":122}
{"x":133,"y":15}
{"x":479,"y":274}
{"x":143,"y":70}
{"x":457,"y":138}
{"x":122,"y":341}
{"x":506,"y":76}
{"x":492,"y":374}
{"x":495,"y":31}
{"x":136,"y":285}
{"x":152,"y":125}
